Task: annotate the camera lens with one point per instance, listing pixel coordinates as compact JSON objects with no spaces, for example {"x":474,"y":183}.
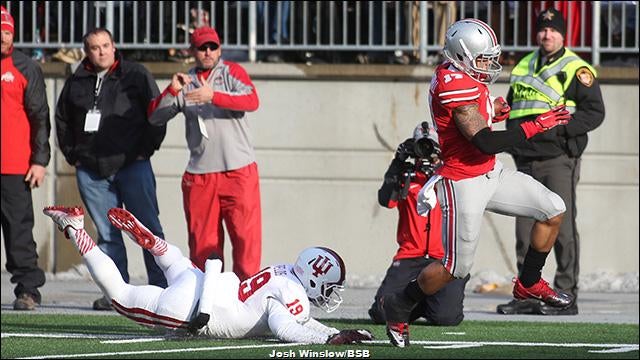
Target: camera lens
{"x":423,"y":148}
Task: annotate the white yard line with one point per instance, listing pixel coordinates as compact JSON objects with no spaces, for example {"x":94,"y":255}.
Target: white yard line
{"x":167,"y":351}
{"x":117,"y":339}
{"x":71,"y":336}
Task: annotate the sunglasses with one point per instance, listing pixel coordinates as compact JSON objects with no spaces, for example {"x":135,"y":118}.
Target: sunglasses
{"x":210,"y":46}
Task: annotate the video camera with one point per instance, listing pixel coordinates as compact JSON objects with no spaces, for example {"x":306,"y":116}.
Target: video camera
{"x":424,"y":147}
{"x":426,"y":154}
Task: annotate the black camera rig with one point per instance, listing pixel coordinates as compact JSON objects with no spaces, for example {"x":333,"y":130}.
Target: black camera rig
{"x":409,"y":171}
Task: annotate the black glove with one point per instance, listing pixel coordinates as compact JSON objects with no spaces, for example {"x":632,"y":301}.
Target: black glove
{"x":349,"y":337}
{"x":198,"y":323}
{"x":405,"y":150}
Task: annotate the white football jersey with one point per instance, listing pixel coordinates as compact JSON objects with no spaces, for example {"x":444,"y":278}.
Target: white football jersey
{"x":272,"y":302}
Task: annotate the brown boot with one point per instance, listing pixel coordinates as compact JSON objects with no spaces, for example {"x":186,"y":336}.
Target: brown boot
{"x":25,"y":301}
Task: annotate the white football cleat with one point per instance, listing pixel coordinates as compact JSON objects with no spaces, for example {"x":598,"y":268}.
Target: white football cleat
{"x":66,"y":217}
{"x":125,"y":221}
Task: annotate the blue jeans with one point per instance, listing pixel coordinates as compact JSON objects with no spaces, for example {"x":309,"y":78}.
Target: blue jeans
{"x":273,"y":20}
{"x":134,"y":186}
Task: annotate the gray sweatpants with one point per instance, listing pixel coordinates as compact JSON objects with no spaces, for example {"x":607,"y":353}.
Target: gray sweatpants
{"x":502,"y":191}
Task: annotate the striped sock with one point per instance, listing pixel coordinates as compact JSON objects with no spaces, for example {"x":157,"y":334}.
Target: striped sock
{"x":81,"y":239}
{"x":159,"y":248}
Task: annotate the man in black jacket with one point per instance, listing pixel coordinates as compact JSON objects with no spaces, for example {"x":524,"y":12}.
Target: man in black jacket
{"x":102,"y":129}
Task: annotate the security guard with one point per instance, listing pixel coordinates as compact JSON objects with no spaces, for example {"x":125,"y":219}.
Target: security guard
{"x":550,"y":76}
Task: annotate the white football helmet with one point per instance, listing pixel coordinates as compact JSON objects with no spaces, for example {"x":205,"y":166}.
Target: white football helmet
{"x":468,"y":41}
{"x":321,"y":272}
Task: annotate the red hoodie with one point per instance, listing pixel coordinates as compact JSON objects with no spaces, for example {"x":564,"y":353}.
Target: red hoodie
{"x":25,"y":115}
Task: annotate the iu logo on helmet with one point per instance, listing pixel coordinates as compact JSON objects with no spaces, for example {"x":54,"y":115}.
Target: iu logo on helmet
{"x":321,"y":265}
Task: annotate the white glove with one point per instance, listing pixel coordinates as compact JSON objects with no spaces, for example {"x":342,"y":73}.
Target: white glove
{"x":427,"y":198}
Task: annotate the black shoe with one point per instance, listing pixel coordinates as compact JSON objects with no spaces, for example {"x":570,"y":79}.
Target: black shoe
{"x":102,"y":304}
{"x":198,"y":323}
{"x":25,"y":301}
{"x":550,"y":310}
{"x":527,"y":306}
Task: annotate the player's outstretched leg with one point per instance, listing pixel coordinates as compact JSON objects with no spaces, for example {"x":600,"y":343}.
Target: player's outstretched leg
{"x":543,"y":292}
{"x":168,"y":257}
{"x":70,"y":221}
{"x":125,"y":221}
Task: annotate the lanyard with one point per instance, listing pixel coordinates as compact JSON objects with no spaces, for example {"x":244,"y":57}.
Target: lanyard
{"x":96,"y":93}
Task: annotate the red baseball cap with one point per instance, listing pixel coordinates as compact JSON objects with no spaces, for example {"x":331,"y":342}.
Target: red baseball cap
{"x":7,"y":20}
{"x":203,"y":35}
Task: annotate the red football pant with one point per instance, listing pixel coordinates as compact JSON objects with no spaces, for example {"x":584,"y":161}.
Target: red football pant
{"x":230,"y":196}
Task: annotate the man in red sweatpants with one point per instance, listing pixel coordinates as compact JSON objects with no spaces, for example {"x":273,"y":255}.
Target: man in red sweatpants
{"x":221,"y":182}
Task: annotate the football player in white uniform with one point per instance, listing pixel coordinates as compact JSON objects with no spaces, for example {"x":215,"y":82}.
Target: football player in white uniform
{"x":274,"y":301}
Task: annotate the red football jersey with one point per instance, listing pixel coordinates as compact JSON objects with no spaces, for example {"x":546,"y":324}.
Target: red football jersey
{"x":451,"y":88}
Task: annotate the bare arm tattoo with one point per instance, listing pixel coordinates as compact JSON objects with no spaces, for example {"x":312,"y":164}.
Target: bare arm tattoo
{"x":469,"y":120}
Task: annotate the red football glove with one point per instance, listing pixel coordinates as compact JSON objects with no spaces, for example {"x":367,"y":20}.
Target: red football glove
{"x":349,"y":337}
{"x":559,"y":115}
{"x":501,"y":110}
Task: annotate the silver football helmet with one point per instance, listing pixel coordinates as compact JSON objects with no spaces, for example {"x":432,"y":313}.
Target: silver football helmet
{"x":321,"y":272}
{"x":472,"y":46}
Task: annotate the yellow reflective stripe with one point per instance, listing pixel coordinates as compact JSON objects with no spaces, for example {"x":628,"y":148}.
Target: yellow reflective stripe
{"x":539,"y":85}
{"x":547,"y":73}
{"x":530,"y":104}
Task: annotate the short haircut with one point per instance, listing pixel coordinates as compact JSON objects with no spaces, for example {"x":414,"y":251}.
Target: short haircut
{"x":96,"y":31}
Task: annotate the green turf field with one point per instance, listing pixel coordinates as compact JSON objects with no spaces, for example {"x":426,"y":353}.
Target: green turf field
{"x":86,"y":336}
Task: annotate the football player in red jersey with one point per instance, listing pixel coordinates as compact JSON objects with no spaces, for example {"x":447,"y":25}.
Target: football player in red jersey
{"x":472,"y":180}
{"x":275,"y":301}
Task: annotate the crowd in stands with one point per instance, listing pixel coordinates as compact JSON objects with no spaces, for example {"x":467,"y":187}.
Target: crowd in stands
{"x":281,"y":24}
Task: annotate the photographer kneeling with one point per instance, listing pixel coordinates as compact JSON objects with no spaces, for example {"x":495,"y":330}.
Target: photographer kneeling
{"x":418,"y":237}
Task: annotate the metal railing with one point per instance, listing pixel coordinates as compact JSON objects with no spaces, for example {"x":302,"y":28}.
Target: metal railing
{"x":596,"y":28}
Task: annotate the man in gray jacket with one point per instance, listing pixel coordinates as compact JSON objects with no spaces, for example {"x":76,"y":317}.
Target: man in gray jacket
{"x":221,"y":180}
